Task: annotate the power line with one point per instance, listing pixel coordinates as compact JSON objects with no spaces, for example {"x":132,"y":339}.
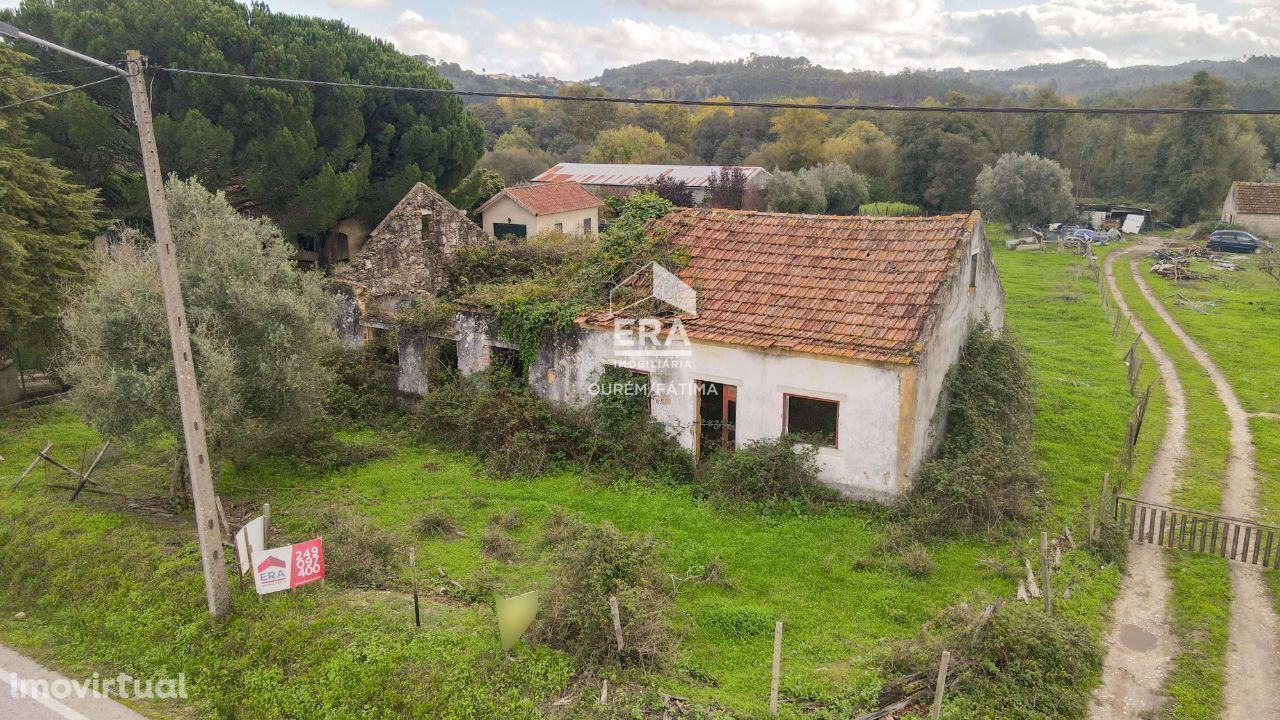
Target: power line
{"x":16,"y":76}
{"x":734,"y":103}
{"x":57,"y":92}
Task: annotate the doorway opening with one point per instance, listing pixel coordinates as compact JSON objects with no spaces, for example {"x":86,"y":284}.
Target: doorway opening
{"x":717,"y":418}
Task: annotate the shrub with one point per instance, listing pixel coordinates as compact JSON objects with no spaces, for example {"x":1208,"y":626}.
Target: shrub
{"x":509,"y":520}
{"x":1040,"y":666}
{"x":517,"y":434}
{"x":357,"y":553}
{"x":499,"y":546}
{"x":596,"y":562}
{"x":356,"y":393}
{"x":624,"y":437}
{"x":499,"y":419}
{"x":435,"y":523}
{"x":984,"y":473}
{"x":765,"y":470}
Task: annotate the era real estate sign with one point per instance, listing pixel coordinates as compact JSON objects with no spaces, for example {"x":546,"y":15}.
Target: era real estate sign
{"x":288,"y":567}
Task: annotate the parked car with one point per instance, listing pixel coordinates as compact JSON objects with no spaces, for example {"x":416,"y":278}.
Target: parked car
{"x":1085,"y":234}
{"x":1236,"y":241}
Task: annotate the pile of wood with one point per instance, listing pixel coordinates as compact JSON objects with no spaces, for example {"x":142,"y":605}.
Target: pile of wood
{"x":1175,"y":263}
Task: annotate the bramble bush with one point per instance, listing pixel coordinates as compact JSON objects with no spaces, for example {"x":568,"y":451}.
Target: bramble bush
{"x":984,"y":473}
{"x":765,"y":470}
{"x":515,"y":433}
{"x":597,"y":561}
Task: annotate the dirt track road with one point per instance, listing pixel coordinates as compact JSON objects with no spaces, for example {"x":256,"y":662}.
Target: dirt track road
{"x":1140,"y":645}
{"x":1253,"y":653}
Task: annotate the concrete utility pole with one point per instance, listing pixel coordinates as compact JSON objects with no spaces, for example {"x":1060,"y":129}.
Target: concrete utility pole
{"x":216,"y":587}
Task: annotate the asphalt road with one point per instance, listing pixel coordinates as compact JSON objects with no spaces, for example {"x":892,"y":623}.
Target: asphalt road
{"x":14,"y":705}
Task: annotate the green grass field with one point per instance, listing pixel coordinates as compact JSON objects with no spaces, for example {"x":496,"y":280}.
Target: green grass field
{"x":109,"y":588}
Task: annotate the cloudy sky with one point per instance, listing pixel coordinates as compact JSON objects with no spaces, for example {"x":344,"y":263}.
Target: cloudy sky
{"x":576,"y":39}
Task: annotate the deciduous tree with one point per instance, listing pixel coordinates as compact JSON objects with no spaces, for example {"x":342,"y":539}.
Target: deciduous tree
{"x":628,"y":144}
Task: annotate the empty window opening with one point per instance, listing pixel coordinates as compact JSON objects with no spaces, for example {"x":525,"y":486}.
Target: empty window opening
{"x":973,"y":271}
{"x":444,"y":362}
{"x":384,"y":345}
{"x":426,"y":227}
{"x":717,"y":417}
{"x":507,"y":360}
{"x":812,"y":420}
{"x":586,"y":224}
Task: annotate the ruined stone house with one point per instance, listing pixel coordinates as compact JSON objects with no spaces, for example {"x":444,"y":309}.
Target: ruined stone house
{"x":840,"y":329}
{"x":404,"y":260}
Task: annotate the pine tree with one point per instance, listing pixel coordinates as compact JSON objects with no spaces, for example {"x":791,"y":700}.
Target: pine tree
{"x":46,"y":221}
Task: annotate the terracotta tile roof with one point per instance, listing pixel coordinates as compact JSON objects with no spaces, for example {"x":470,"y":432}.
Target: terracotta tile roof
{"x":548,"y":199}
{"x":1257,"y":198}
{"x":856,"y":287}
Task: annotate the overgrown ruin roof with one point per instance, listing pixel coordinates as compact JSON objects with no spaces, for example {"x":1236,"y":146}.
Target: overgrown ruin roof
{"x":855,"y":287}
{"x":398,"y":259}
{"x":1255,"y":198}
{"x":547,"y":199}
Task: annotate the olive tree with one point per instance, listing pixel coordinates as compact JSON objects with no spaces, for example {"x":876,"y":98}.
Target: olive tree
{"x":1024,"y":189}
{"x":262,"y":332}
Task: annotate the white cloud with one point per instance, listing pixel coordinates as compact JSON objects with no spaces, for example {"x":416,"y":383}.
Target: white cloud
{"x":871,"y":34}
{"x":412,"y":33}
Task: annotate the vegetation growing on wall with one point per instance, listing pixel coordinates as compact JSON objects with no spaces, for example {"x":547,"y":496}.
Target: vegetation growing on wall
{"x":549,"y":286}
{"x":984,"y":473}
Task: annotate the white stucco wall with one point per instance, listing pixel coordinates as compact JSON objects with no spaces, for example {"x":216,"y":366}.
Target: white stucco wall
{"x":506,"y":210}
{"x":863,"y":466}
{"x":961,"y":310}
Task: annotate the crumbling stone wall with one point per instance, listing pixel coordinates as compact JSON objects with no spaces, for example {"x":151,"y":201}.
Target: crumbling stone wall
{"x":477,"y":333}
{"x":399,"y":260}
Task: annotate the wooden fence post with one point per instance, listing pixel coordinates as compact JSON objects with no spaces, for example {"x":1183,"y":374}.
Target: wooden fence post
{"x":617,"y":620}
{"x":941,"y":687}
{"x":266,"y":524}
{"x":1045,"y":571}
{"x":413,"y":572}
{"x":777,"y":669}
{"x":1102,"y":501}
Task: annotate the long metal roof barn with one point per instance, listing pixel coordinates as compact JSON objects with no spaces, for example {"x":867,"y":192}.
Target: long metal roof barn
{"x":695,"y":176}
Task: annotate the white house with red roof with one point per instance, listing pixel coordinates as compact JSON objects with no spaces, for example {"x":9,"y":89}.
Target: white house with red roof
{"x":527,"y":210}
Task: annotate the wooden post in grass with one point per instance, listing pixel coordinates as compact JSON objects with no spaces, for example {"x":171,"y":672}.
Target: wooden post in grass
{"x":777,"y":669}
{"x":266,"y":524}
{"x":617,"y":621}
{"x":1045,"y":570}
{"x":413,"y":572}
{"x":1102,"y":502}
{"x":32,"y":466}
{"x":941,"y":687}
